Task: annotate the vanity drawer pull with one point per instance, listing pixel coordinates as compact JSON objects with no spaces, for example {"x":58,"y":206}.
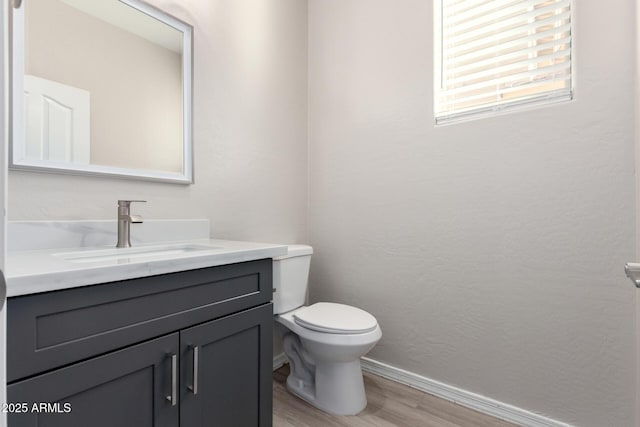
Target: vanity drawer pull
{"x":196,"y":362}
{"x":173,"y":397}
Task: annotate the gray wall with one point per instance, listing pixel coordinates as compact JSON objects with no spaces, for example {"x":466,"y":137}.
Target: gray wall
{"x":491,"y":251}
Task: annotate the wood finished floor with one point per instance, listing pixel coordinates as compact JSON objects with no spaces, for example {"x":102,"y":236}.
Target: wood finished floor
{"x":389,"y":404}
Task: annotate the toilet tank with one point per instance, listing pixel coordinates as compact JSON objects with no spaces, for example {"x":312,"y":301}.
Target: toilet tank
{"x":290,"y":278}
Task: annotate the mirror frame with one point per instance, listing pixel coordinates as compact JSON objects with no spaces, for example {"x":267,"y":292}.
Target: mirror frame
{"x":17,"y":158}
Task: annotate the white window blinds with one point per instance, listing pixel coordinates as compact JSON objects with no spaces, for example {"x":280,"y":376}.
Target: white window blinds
{"x":496,"y":54}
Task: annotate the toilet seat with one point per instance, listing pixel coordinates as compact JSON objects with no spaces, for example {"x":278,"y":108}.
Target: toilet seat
{"x":333,"y":318}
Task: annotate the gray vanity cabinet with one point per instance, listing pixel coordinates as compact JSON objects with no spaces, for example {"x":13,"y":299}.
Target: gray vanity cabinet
{"x":182,"y":349}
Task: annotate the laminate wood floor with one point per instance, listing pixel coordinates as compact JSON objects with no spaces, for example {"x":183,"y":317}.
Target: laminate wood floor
{"x":389,"y":404}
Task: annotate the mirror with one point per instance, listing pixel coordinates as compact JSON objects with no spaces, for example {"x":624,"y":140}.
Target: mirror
{"x":101,"y":87}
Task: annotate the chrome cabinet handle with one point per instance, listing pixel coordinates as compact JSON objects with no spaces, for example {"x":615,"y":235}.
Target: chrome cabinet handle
{"x":196,"y":363}
{"x":173,"y":397}
{"x":3,"y":290}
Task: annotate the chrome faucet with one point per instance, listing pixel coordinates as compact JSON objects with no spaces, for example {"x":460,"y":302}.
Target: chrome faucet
{"x":125,"y":219}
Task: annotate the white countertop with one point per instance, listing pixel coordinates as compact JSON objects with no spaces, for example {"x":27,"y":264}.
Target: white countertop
{"x":29,"y":272}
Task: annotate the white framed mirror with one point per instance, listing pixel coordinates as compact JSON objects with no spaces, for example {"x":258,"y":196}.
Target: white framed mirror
{"x":101,"y":87}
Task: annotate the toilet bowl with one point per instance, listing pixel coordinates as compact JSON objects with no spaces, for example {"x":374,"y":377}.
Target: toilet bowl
{"x":323,"y":341}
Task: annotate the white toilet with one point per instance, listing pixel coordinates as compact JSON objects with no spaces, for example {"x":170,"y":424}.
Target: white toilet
{"x":323,"y":341}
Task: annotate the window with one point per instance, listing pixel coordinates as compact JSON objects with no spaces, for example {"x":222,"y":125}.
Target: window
{"x":493,"y":55}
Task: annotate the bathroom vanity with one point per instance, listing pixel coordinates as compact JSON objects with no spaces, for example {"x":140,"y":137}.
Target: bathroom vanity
{"x":189,"y":347}
{"x":153,"y":335}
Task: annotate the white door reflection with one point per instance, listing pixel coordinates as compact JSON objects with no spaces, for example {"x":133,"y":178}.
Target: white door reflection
{"x":57,"y":121}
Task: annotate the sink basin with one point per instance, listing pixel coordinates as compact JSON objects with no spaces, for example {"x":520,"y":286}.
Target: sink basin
{"x":138,"y":253}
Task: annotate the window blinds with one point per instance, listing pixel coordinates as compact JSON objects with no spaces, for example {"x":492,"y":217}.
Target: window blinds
{"x":495,"y":54}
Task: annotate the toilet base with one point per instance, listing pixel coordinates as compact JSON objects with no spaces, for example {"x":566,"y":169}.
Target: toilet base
{"x":338,"y":388}
{"x":325,"y":367}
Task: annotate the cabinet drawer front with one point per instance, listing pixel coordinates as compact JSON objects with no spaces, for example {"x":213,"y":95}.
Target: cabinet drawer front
{"x":53,"y":329}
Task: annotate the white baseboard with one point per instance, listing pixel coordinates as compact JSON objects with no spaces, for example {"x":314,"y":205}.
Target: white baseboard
{"x":462,"y":397}
{"x":279,"y":360}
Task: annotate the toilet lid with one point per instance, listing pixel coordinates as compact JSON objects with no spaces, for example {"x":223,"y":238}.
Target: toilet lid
{"x":335,"y":318}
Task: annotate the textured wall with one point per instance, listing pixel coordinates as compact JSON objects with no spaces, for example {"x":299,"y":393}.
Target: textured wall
{"x":250,"y":115}
{"x":491,"y":251}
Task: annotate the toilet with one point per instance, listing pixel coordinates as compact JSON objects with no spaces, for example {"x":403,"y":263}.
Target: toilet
{"x":323,"y":341}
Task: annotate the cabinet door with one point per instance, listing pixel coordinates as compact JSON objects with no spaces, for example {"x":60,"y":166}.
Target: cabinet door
{"x":126,"y":388}
{"x":226,"y":371}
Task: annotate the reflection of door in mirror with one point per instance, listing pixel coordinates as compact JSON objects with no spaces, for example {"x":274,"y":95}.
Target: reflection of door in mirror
{"x":127,"y":64}
{"x":56,"y":121}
